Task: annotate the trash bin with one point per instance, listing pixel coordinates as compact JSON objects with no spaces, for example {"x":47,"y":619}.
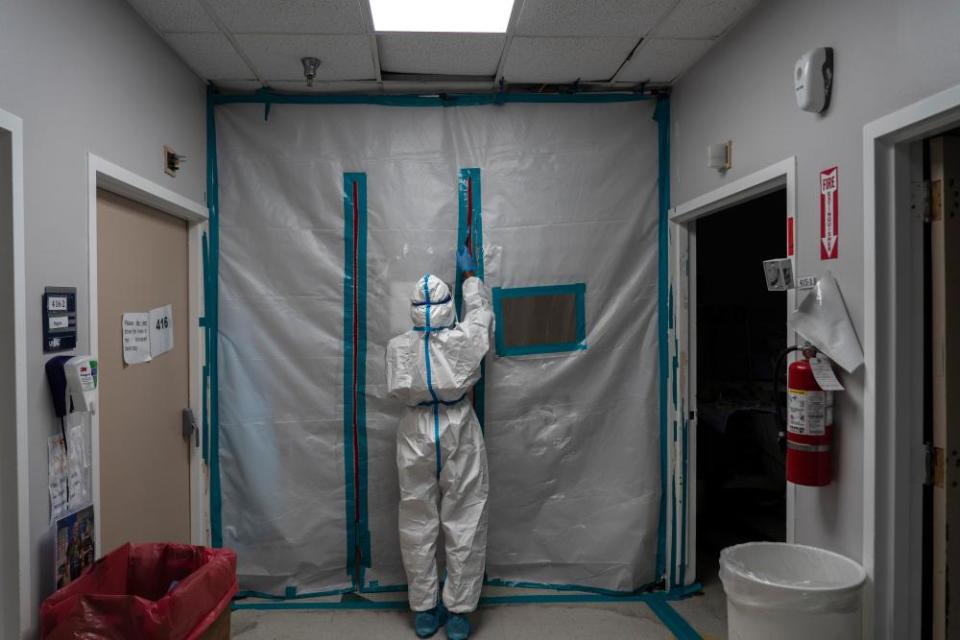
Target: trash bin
{"x":790,"y":592}
{"x":147,"y":591}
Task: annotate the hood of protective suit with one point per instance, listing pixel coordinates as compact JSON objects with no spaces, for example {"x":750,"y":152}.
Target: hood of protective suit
{"x":440,"y":304}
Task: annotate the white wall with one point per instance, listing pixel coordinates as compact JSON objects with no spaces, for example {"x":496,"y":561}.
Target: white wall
{"x":85,"y":76}
{"x":8,"y":427}
{"x":887,"y":54}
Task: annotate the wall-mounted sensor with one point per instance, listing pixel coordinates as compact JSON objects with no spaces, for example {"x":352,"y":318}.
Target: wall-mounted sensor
{"x":720,"y":156}
{"x":172,"y":161}
{"x":310,"y":66}
{"x":813,"y":79}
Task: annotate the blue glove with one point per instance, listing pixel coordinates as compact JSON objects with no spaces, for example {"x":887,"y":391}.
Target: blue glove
{"x":465,"y":261}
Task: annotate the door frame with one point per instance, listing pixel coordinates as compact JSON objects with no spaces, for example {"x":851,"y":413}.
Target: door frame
{"x":893,"y":352}
{"x":21,"y":582}
{"x":103,"y":174}
{"x":683,"y":277}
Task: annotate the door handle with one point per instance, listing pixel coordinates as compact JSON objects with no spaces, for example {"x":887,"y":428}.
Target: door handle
{"x":189,"y":426}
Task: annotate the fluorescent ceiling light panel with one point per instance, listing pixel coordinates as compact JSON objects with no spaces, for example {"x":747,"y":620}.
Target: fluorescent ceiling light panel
{"x":442,"y":16}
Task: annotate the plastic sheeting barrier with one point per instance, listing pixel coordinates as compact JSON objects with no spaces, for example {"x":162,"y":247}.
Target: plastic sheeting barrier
{"x":569,"y":194}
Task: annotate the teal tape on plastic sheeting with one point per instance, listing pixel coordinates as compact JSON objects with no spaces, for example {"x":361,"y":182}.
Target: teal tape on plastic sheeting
{"x":523,"y":584}
{"x":350,"y":490}
{"x":577,"y":290}
{"x":267,"y":97}
{"x":364,"y":540}
{"x":673,"y":620}
{"x":662,"y":116}
{"x":290,"y":593}
{"x":212,"y":321}
{"x":354,"y":372}
{"x":470,"y":226}
{"x":373,"y":587}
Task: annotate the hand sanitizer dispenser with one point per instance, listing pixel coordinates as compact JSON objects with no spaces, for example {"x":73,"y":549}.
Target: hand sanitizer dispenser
{"x":73,"y":379}
{"x":813,"y":79}
{"x":81,"y":373}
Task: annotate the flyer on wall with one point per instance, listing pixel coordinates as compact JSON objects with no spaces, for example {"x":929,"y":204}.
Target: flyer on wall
{"x":75,"y":550}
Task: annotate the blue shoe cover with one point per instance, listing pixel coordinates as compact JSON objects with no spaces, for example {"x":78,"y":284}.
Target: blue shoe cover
{"x":428,"y":623}
{"x":458,"y":628}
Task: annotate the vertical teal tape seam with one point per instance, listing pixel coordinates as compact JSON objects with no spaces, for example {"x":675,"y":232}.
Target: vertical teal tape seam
{"x":212,"y":321}
{"x":364,"y":533}
{"x":354,"y":332}
{"x":349,"y":489}
{"x":662,"y":116}
{"x":470,"y":213}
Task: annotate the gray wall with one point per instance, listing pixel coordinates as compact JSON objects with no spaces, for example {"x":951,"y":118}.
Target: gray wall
{"x":8,"y":426}
{"x":888,"y":54}
{"x":85,"y":76}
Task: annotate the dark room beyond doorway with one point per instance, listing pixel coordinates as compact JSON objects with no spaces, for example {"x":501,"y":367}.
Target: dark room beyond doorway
{"x":741,"y":330}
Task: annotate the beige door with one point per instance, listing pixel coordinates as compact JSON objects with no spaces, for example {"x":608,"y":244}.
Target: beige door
{"x":144,"y":459}
{"x":945,"y":361}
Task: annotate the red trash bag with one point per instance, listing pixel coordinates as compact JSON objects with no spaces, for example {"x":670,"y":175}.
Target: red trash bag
{"x":148,"y":591}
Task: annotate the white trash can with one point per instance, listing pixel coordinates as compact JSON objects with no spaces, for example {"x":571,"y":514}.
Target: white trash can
{"x":791,"y":592}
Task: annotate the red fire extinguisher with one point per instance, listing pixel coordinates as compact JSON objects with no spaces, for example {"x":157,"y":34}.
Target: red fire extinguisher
{"x":809,"y":426}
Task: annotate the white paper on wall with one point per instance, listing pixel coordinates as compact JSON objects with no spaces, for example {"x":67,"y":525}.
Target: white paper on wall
{"x":79,"y":465}
{"x":57,"y":476}
{"x":161,"y":330}
{"x":136,"y":337}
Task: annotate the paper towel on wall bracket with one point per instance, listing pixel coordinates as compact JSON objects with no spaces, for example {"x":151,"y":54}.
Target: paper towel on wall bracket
{"x":822,"y":319}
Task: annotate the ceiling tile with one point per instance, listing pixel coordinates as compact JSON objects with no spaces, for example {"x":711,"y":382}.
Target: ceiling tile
{"x":290,"y":16}
{"x":209,"y":54}
{"x":175,"y":15}
{"x":277,"y":57}
{"x":472,"y":54}
{"x":703,"y":18}
{"x":561,"y":60}
{"x":590,"y":17}
{"x":662,"y":60}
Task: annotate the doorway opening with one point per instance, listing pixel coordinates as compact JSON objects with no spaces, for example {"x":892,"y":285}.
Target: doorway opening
{"x":741,"y":329}
{"x":941,"y":408}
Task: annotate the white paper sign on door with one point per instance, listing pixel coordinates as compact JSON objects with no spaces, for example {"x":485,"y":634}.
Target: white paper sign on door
{"x":136,"y":338}
{"x":161,"y":330}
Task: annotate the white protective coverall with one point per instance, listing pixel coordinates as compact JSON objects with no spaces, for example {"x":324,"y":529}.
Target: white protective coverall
{"x":441,"y":458}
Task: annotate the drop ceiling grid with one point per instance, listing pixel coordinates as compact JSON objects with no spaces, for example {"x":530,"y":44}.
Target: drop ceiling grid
{"x":662,"y":59}
{"x":548,"y":41}
{"x":565,"y":60}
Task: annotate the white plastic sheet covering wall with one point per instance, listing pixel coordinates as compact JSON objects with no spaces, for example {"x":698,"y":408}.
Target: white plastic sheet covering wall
{"x":568,"y":195}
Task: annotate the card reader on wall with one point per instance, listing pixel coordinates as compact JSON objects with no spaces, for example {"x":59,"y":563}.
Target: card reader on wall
{"x":73,"y":379}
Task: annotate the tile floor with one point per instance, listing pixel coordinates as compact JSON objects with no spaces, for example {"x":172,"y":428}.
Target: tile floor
{"x":706,"y":613}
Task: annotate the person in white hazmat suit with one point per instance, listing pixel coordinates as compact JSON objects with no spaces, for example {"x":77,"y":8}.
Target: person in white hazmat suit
{"x":441,"y":458}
